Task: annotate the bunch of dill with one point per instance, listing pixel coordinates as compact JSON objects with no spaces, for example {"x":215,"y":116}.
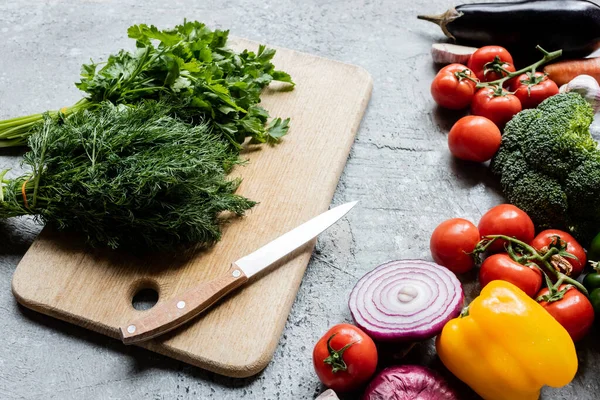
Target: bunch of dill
{"x":130,"y":176}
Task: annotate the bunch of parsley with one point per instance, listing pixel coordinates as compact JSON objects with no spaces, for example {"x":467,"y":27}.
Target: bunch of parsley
{"x":127,"y":176}
{"x":188,"y":67}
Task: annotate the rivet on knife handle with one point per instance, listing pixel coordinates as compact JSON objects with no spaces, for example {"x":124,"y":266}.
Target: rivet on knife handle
{"x":176,"y":311}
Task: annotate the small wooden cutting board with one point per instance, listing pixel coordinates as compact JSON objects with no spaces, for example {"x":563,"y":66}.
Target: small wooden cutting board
{"x":293,"y":181}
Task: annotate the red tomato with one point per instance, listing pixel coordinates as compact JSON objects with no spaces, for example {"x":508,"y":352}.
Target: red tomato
{"x":450,"y":90}
{"x":451,"y":242}
{"x":544,"y":238}
{"x":574,"y":311}
{"x":345,"y":358}
{"x":497,"y":105}
{"x":506,"y":220}
{"x":502,"y":267}
{"x":531,"y":89}
{"x":493,"y":59}
{"x":474,"y":138}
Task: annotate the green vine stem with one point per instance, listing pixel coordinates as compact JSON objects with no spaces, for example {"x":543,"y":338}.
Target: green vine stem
{"x":532,"y":257}
{"x":555,"y":293}
{"x":548,"y":56}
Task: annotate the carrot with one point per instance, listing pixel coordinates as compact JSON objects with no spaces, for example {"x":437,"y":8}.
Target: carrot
{"x":564,"y":71}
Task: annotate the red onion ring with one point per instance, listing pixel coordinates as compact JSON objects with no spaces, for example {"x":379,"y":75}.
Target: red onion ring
{"x":407,"y":300}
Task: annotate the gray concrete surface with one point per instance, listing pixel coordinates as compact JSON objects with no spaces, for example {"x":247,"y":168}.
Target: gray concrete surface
{"x":399,"y":169}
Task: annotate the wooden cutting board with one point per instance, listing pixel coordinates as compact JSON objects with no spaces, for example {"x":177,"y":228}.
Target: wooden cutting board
{"x":293,"y":181}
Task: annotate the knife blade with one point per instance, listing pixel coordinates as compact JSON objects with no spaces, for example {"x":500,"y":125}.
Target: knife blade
{"x":168,"y":315}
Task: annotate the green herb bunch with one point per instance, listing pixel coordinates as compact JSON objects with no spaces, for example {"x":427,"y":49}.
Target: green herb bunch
{"x":127,"y":176}
{"x":188,"y":67}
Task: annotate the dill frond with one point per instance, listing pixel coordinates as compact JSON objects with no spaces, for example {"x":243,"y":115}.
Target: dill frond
{"x":123,"y":176}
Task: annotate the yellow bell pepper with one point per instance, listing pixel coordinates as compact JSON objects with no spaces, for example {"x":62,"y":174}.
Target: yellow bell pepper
{"x":508,"y":346}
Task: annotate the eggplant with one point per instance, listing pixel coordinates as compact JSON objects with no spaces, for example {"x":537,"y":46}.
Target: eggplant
{"x":570,"y":25}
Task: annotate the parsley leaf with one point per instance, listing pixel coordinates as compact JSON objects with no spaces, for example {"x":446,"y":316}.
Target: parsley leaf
{"x":277,"y":129}
{"x":190,"y":66}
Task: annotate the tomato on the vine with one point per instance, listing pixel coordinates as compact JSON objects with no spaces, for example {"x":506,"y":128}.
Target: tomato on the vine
{"x":570,"y":308}
{"x":507,"y":220}
{"x":531,"y":89}
{"x":566,"y":242}
{"x":474,"y":138}
{"x":502,"y":267}
{"x":451,"y":242}
{"x":496,"y":104}
{"x":345,"y":358}
{"x":453,"y":87}
{"x":490,"y":63}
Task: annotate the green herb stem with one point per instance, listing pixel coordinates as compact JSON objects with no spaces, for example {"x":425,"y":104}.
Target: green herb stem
{"x":15,"y":131}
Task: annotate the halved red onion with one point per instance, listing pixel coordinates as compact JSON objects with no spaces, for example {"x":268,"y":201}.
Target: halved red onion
{"x":408,"y":382}
{"x":406,"y":300}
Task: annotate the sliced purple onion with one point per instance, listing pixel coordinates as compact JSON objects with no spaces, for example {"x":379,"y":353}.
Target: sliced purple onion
{"x":407,"y":300}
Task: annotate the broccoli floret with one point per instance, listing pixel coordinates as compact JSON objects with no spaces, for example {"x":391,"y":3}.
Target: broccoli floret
{"x":517,"y":129}
{"x":583,"y":186}
{"x":559,"y":138}
{"x":549,"y":165}
{"x":548,"y":207}
{"x":510,"y":166}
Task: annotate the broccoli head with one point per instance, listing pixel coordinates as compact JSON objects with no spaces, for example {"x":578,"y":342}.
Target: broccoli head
{"x":549,"y":165}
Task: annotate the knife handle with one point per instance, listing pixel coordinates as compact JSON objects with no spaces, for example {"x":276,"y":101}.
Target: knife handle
{"x":181,"y":308}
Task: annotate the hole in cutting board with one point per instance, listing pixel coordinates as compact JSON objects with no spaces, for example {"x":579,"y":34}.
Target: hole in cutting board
{"x":144,"y":299}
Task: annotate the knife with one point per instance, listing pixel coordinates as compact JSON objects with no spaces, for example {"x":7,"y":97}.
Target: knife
{"x":174,"y":312}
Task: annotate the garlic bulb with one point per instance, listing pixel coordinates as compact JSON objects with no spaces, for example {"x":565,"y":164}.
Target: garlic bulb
{"x":587,"y":87}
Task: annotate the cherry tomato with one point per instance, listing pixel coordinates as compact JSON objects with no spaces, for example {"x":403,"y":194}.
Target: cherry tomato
{"x":497,"y":105}
{"x":451,"y":242}
{"x":474,"y":138}
{"x":507,"y":220}
{"x":493,"y":59}
{"x":452,"y":89}
{"x":545,"y":238}
{"x":502,"y":267}
{"x":573,"y":311}
{"x":532,"y":89}
{"x":345,"y":358}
